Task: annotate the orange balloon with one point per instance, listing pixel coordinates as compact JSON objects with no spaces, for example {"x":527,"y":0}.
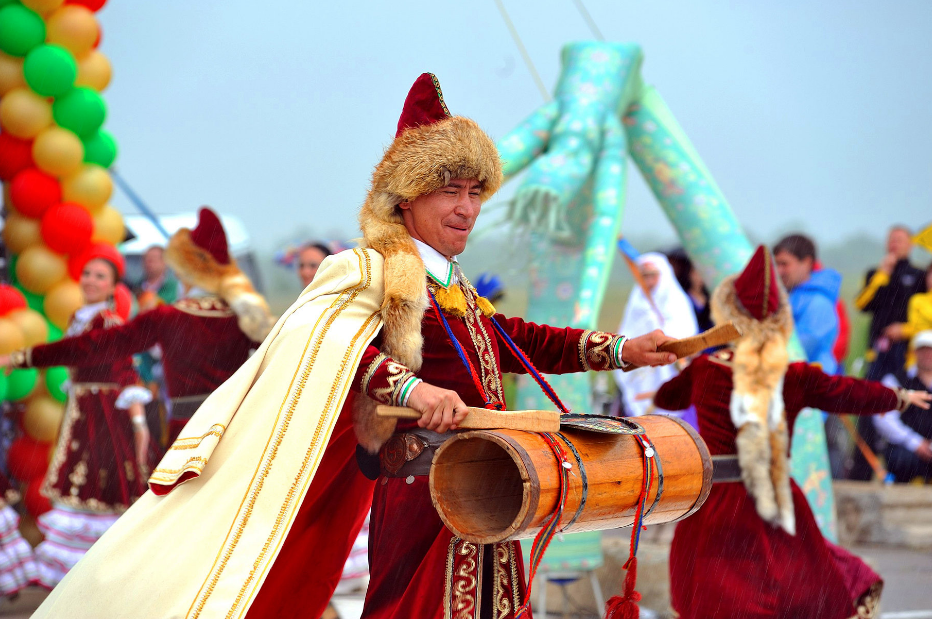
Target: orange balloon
{"x":74,"y":28}
{"x":108,"y":226}
{"x":43,"y":6}
{"x":32,"y":324}
{"x":11,"y":73}
{"x":94,"y":71}
{"x":11,"y":337}
{"x":24,"y":113}
{"x":90,"y":187}
{"x":42,"y":418}
{"x":20,"y":232}
{"x":39,"y":269}
{"x":62,"y":301}
{"x":58,"y":151}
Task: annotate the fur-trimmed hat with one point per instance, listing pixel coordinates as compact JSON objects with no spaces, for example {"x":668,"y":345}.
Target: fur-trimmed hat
{"x":201,"y":257}
{"x":431,"y":147}
{"x":759,"y":307}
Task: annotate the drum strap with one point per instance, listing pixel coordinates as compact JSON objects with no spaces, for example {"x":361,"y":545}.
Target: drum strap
{"x":582,"y":477}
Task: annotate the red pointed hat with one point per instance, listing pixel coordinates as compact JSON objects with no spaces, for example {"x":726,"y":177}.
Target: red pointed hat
{"x":424,"y":104}
{"x":757,"y":287}
{"x":209,"y":235}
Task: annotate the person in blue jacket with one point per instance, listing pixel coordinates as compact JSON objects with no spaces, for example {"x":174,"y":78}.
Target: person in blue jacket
{"x":813,"y":295}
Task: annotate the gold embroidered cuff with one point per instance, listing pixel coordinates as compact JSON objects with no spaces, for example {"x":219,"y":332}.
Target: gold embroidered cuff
{"x":21,"y":358}
{"x":370,"y":372}
{"x":396,"y":385}
{"x":601,"y":351}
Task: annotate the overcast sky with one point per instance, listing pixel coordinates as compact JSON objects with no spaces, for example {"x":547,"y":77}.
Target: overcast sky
{"x":815,"y":112}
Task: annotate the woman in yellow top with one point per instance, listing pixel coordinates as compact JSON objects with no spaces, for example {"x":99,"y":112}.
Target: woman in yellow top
{"x":918,"y":318}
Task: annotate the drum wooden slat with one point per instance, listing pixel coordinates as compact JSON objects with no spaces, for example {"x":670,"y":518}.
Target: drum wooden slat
{"x":496,"y":485}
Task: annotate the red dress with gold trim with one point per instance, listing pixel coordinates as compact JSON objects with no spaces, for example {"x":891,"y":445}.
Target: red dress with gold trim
{"x":93,"y":476}
{"x":202,"y":346}
{"x":725,"y":560}
{"x":417,"y":567}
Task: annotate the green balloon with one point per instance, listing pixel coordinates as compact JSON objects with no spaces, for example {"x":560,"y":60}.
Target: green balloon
{"x":4,"y":386}
{"x":54,"y":378}
{"x":20,"y":383}
{"x":55,"y":333}
{"x":50,"y":70}
{"x":101,"y":149}
{"x":33,"y":300}
{"x":20,"y":30}
{"x":81,"y":110}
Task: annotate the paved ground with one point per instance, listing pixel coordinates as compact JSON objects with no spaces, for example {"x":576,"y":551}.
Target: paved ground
{"x":907,"y":593}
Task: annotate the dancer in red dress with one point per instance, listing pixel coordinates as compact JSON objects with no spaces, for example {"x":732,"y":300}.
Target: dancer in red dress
{"x":104,"y":453}
{"x":754,"y":550}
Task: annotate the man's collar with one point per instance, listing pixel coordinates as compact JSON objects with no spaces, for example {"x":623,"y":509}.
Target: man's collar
{"x":438,"y":266}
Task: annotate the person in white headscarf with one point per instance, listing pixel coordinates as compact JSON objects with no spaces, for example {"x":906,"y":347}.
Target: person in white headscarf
{"x":660,"y":304}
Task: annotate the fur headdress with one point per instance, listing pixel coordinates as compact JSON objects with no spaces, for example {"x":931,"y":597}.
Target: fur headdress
{"x":201,"y":257}
{"x":759,"y":307}
{"x":431,"y":148}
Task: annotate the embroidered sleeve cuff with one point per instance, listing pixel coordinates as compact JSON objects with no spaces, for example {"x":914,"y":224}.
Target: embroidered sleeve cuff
{"x":21,"y":358}
{"x":601,"y":351}
{"x":388,"y":382}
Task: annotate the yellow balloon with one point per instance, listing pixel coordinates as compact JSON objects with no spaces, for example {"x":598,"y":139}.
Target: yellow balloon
{"x":24,"y":113}
{"x":32,"y":324}
{"x":74,"y":28}
{"x":108,"y":226}
{"x":42,"y":417}
{"x":90,"y":187}
{"x":11,"y":337}
{"x":94,"y":71}
{"x":43,"y":6}
{"x":62,"y":301}
{"x":39,"y":269}
{"x":11,"y":73}
{"x":20,"y":232}
{"x":58,"y":151}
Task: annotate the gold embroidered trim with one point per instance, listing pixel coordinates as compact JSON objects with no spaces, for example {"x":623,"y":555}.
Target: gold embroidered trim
{"x":488,"y":366}
{"x":21,"y":358}
{"x":600,"y":350}
{"x":398,"y":380}
{"x":281,"y":425}
{"x":868,"y":605}
{"x":196,"y":464}
{"x":463,"y":597}
{"x":501,"y":605}
{"x":485,"y":306}
{"x":85,"y":388}
{"x":370,"y":372}
{"x":211,"y":307}
{"x":194,"y":442}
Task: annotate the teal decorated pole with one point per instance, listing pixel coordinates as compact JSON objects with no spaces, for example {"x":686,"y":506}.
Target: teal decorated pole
{"x":571,"y":200}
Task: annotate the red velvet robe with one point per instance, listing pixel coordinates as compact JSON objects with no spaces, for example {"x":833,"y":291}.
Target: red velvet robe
{"x":408,"y":544}
{"x":726,"y":561}
{"x":201,"y":341}
{"x":94,"y":465}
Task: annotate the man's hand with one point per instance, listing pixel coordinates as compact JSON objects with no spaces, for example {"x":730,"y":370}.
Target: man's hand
{"x":887,"y":264}
{"x":642,"y":350}
{"x":440,"y":409}
{"x":894,"y":331}
{"x":924,"y":451}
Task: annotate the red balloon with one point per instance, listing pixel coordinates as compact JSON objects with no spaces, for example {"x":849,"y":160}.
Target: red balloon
{"x":15,"y":156}
{"x":67,"y":228}
{"x":34,"y":192}
{"x":97,"y":250}
{"x":94,"y":5}
{"x":28,"y":459}
{"x":36,"y":503}
{"x":122,"y":301}
{"x":10,"y":299}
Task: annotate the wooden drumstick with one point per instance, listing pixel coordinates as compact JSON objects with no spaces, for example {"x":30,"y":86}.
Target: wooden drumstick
{"x":716,"y":336}
{"x":485,"y":419}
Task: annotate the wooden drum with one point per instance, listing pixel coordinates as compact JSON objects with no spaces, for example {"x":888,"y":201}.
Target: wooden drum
{"x":496,"y":485}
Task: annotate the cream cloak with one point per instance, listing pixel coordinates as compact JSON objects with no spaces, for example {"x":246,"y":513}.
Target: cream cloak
{"x":244,"y":464}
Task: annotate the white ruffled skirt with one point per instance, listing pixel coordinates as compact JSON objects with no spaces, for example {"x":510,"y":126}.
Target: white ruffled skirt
{"x":69,"y":534}
{"x":17,"y":562}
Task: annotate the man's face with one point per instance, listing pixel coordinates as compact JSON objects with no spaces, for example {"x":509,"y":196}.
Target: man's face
{"x":924,"y":359}
{"x":153,"y":263}
{"x":443,"y":219}
{"x":899,"y":243}
{"x":792,"y":270}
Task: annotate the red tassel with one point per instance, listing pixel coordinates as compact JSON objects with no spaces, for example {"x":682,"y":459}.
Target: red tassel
{"x":625,"y":606}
